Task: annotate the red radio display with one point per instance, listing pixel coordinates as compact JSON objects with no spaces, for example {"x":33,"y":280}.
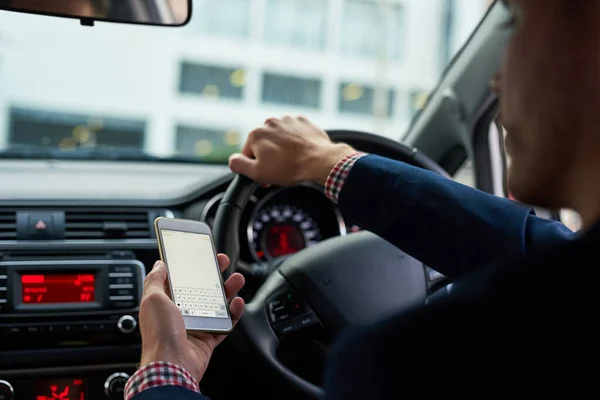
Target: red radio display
{"x":63,"y":389}
{"x":58,"y":288}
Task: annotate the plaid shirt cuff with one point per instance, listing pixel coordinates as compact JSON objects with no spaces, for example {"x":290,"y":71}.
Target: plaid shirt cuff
{"x":339,"y":173}
{"x":159,"y":374}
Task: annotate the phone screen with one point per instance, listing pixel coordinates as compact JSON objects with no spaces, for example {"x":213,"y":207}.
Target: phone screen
{"x":194,"y":274}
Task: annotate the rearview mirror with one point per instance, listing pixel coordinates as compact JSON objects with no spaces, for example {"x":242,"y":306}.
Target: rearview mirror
{"x":147,"y":12}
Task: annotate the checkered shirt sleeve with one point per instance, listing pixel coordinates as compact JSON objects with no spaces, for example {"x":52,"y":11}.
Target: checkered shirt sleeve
{"x":159,"y":374}
{"x":339,"y":173}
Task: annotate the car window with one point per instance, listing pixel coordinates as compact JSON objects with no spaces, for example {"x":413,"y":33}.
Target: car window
{"x":465,"y":174}
{"x":196,"y":91}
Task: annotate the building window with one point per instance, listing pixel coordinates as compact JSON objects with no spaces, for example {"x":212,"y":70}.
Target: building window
{"x":212,"y":81}
{"x":296,"y":23}
{"x":360,"y":99}
{"x":372,"y":29}
{"x":228,"y":18}
{"x":215,"y":145}
{"x":448,"y":29}
{"x":73,"y":131}
{"x":291,"y":90}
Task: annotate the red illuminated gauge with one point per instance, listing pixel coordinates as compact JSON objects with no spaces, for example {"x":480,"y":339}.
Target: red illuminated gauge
{"x":280,"y":230}
{"x":283,"y":239}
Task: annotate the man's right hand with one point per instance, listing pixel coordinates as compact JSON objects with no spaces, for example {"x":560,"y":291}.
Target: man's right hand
{"x":287,"y":151}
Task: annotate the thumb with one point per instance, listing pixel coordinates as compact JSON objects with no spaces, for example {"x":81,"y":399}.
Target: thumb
{"x":155,"y":280}
{"x":243,"y":165}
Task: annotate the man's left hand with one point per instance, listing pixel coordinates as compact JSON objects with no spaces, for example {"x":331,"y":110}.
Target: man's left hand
{"x":164,"y":337}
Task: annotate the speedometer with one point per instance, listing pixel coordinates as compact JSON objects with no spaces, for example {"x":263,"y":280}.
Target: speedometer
{"x":279,"y":230}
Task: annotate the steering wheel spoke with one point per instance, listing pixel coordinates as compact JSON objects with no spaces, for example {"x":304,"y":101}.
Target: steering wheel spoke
{"x":289,"y":314}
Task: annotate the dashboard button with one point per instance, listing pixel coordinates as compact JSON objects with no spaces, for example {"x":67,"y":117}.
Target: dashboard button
{"x":278,"y":308}
{"x":40,"y":225}
{"x":114,"y":386}
{"x":6,"y":391}
{"x":281,"y":317}
{"x":127,"y":324}
{"x":121,"y":268}
{"x":121,"y":292}
{"x":33,"y":329}
{"x":121,"y":280}
{"x":99,"y":327}
{"x":62,"y":328}
{"x":14,"y":330}
{"x":124,"y":304}
{"x":276,"y":302}
{"x":286,"y":328}
{"x":307,"y":320}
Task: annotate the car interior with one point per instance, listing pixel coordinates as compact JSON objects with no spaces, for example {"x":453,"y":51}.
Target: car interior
{"x":77,"y":208}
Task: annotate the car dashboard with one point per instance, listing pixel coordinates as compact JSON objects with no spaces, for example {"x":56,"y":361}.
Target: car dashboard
{"x":76,"y":240}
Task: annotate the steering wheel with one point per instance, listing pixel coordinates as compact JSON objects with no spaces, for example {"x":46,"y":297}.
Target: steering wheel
{"x":340,"y":282}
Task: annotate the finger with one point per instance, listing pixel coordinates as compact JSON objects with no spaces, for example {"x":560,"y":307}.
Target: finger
{"x":272,"y":122}
{"x":234,"y":284}
{"x":247,"y":149}
{"x":253,"y":136}
{"x":236,"y":309}
{"x":223,"y":261}
{"x":155,"y":280}
{"x":242,"y":164}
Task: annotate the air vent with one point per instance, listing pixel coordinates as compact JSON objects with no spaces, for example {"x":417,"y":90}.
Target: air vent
{"x":8,"y":225}
{"x":107,"y":224}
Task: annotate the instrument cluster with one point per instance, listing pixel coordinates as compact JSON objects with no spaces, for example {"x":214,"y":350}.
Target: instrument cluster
{"x":284,"y":220}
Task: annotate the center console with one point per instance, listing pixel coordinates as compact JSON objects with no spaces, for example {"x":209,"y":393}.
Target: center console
{"x":50,"y":385}
{"x":66,"y":325}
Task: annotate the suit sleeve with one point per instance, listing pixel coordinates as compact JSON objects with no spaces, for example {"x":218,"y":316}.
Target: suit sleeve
{"x":389,"y":360}
{"x":448,"y":226}
{"x":422,"y":353}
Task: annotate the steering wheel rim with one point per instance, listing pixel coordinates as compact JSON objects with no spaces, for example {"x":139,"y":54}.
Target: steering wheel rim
{"x":255,"y":331}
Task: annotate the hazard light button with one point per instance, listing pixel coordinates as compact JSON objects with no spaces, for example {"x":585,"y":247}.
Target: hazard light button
{"x":40,"y":225}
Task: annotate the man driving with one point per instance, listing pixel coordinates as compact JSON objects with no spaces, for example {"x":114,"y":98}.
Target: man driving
{"x":518,"y":328}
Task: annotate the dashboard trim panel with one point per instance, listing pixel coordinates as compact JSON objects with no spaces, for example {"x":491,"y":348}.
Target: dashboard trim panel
{"x":91,"y":244}
{"x":34,"y":372}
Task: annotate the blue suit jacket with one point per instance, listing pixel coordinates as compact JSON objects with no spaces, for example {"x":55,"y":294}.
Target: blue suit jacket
{"x":448,"y":226}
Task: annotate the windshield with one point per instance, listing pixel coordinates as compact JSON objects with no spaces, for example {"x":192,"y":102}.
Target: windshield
{"x":195,"y":92}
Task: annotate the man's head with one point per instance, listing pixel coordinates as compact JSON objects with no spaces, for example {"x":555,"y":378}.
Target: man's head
{"x":550,"y":103}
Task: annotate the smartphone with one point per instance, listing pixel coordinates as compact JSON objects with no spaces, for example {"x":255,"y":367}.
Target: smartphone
{"x":194,"y":280}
